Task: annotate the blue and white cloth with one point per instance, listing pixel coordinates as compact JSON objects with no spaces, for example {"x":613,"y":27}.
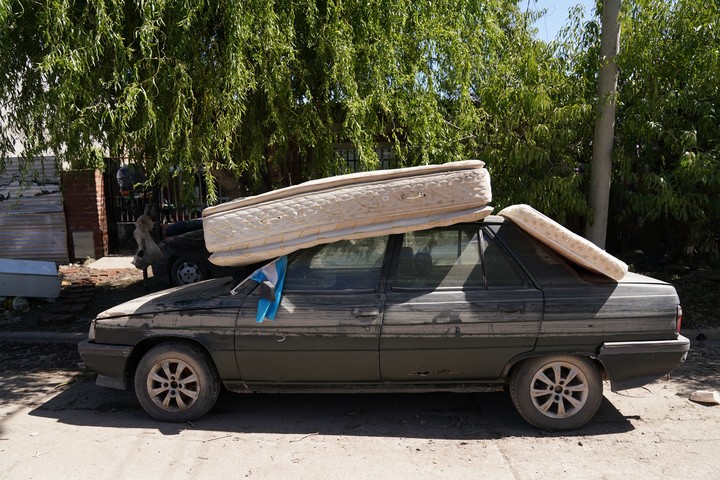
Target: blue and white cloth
{"x":274,"y":272}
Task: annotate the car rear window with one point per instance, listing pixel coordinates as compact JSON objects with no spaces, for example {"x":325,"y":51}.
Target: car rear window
{"x":545,"y":266}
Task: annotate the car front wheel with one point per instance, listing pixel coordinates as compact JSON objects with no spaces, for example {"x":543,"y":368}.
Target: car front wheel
{"x":185,"y":272}
{"x":176,"y":382}
{"x":558,"y":392}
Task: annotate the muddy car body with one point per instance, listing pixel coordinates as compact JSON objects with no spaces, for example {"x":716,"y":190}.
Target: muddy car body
{"x":471,"y":307}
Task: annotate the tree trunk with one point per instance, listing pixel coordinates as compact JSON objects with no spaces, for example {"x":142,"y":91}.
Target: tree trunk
{"x":601,"y":168}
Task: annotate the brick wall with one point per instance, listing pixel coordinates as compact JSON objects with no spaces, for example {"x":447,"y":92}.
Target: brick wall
{"x":85,"y":213}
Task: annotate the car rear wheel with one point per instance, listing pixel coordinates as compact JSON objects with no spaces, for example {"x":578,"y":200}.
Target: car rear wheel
{"x":176,"y":382}
{"x":185,"y":272}
{"x":558,"y":392}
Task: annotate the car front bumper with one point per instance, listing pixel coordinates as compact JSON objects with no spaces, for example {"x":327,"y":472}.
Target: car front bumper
{"x":634,"y":364}
{"x":109,"y":361}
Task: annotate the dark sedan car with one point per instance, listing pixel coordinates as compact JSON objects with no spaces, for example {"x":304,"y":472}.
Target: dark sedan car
{"x":185,"y":257}
{"x":472,"y":307}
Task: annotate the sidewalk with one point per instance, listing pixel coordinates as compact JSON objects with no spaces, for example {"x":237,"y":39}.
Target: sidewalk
{"x":113,"y":262}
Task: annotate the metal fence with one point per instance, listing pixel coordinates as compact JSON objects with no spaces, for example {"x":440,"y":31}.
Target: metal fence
{"x":350,"y":156}
{"x":125,"y":202}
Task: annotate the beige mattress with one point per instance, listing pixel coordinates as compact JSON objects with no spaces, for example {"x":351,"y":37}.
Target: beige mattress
{"x":351,"y":206}
{"x":570,"y":245}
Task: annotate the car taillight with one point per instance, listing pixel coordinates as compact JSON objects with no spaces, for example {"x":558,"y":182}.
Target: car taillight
{"x":678,"y":321}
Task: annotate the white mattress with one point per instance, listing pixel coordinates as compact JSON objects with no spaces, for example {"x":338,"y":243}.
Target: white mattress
{"x":351,"y":206}
{"x":570,"y":245}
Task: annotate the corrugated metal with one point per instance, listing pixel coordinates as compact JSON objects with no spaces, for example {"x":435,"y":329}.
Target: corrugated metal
{"x":32,"y":219}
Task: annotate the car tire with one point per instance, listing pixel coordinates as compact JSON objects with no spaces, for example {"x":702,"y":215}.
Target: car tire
{"x":185,"y":272}
{"x":176,"y":382}
{"x":557,"y":392}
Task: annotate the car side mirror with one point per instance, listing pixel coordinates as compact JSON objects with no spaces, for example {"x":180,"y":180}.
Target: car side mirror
{"x":267,"y":290}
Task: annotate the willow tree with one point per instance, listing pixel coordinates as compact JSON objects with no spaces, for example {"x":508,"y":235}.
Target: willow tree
{"x":537,"y":98}
{"x":180,"y":85}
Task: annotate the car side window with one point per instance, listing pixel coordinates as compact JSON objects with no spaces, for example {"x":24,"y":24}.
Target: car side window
{"x":464,"y":257}
{"x":500,"y":271}
{"x":440,"y":259}
{"x":546,"y":266}
{"x":338,"y":266}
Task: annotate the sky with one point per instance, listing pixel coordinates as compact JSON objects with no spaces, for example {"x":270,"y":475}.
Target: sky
{"x":557,"y":14}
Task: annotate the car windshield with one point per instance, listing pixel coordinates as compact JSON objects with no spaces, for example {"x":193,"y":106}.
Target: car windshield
{"x":337,"y":267}
{"x":256,"y":272}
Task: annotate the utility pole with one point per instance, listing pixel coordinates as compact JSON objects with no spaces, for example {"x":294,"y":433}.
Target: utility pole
{"x":601,"y":168}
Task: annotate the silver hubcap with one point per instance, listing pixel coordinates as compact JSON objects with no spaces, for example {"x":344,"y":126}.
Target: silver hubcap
{"x":559,"y":390}
{"x":188,"y":273}
{"x":173,"y":385}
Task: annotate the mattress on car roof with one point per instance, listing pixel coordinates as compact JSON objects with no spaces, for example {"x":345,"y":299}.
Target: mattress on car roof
{"x":568,"y":244}
{"x":353,"y":206}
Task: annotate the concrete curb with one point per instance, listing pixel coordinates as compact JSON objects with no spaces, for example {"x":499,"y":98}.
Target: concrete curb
{"x":42,"y":337}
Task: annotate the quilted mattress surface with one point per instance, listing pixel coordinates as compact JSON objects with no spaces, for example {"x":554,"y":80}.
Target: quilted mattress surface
{"x":570,"y":245}
{"x":351,"y":206}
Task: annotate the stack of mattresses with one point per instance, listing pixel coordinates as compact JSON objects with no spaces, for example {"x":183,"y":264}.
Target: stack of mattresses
{"x":566,"y":243}
{"x":354,"y":206}
{"x":369,"y":204}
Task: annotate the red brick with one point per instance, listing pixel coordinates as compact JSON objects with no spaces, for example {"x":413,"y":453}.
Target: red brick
{"x":84,"y":202}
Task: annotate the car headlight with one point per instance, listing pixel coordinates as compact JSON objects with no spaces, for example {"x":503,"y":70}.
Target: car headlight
{"x":91,"y":332}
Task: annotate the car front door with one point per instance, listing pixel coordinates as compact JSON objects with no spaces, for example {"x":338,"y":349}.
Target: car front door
{"x":458,"y":308}
{"x":327,"y":327}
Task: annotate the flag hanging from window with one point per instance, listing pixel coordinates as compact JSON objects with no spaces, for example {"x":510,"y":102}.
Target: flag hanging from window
{"x":273,"y":272}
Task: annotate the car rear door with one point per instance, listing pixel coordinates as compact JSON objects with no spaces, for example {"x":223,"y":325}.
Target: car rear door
{"x":458,"y":307}
{"x":327,"y":328}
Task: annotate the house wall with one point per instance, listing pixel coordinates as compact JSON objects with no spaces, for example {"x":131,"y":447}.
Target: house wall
{"x":85,"y":214}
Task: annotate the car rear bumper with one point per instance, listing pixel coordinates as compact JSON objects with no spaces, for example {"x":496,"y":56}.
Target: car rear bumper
{"x":634,"y":364}
{"x":109,"y":361}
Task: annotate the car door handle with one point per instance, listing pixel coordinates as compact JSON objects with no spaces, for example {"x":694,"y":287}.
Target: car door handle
{"x":511,"y":307}
{"x":366,"y":311}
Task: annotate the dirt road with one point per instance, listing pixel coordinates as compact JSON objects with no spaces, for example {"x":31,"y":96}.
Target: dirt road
{"x":55,"y":423}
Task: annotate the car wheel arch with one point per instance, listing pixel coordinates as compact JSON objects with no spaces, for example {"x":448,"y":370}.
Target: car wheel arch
{"x":515,"y":363}
{"x":169,"y":264}
{"x":145,"y":345}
